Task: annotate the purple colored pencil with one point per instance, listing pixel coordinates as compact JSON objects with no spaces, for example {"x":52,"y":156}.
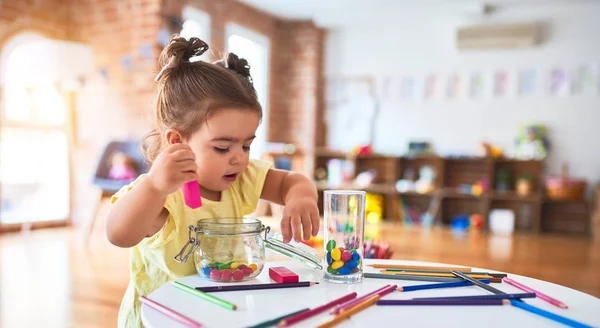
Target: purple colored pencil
{"x":443,"y":302}
{"x":481,"y":297}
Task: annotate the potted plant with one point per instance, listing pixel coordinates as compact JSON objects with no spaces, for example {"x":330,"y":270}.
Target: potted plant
{"x":503,"y":178}
{"x":524,"y":183}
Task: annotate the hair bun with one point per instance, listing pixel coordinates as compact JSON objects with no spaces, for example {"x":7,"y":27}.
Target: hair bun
{"x":180,"y":50}
{"x":238,"y":65}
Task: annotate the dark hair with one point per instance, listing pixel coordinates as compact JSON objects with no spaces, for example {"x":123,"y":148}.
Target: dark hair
{"x":188,"y":92}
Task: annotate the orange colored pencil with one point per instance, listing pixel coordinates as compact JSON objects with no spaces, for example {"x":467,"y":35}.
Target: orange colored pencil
{"x":346,"y":314}
{"x":418,"y":267}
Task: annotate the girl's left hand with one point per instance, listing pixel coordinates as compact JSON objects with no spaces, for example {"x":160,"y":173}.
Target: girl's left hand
{"x":300,"y":217}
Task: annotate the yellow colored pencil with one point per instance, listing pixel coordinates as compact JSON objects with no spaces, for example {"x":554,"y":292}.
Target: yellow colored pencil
{"x":433,"y":274}
{"x":418,"y":267}
{"x":351,"y":311}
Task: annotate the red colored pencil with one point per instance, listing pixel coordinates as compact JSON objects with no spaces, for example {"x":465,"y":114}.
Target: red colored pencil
{"x":304,"y":315}
{"x":381,"y":292}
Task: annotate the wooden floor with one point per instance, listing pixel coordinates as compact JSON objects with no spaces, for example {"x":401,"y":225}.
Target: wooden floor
{"x":48,"y":274}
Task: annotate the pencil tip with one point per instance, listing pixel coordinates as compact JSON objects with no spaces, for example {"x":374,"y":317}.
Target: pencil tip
{"x":563,"y":306}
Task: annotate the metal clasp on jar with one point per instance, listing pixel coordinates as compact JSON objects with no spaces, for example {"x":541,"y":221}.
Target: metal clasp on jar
{"x":192,"y":244}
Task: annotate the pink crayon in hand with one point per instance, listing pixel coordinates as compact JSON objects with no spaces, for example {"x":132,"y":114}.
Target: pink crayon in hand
{"x":191,"y":194}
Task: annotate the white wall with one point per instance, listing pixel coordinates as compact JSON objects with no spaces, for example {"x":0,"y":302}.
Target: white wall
{"x":421,"y":40}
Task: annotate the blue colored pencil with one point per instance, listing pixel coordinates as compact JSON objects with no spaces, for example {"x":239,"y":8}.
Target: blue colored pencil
{"x":548,"y":315}
{"x":481,"y":297}
{"x":461,"y":283}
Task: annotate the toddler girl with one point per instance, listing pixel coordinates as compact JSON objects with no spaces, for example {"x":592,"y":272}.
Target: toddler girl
{"x":206,"y":119}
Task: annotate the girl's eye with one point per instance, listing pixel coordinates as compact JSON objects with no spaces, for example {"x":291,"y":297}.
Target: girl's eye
{"x":246,"y":148}
{"x":221,"y":150}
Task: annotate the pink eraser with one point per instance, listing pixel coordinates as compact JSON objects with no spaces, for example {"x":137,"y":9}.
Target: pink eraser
{"x":191,"y":194}
{"x":282,"y":275}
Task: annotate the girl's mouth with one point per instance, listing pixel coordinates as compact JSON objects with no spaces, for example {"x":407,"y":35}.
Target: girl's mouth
{"x":230,"y":177}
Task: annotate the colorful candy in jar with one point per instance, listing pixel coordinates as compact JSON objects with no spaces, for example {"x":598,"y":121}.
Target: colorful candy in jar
{"x":341,"y":261}
{"x":231,"y":271}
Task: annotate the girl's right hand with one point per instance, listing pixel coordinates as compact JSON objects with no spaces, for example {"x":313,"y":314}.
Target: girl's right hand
{"x":172,"y":168}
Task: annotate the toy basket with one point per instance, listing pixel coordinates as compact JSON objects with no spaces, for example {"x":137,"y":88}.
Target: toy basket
{"x":565,"y":188}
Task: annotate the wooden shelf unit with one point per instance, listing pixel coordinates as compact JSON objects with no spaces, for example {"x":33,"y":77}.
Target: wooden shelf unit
{"x":529,"y":210}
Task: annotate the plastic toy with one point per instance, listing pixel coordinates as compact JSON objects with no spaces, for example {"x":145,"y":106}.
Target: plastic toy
{"x":122,"y":168}
{"x":532,"y":143}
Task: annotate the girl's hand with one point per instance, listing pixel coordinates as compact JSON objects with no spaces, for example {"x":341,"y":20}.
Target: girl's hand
{"x":172,"y":168}
{"x":300,"y":217}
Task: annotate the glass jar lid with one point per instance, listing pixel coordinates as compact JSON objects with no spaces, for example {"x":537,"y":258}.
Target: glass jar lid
{"x":294,"y":250}
{"x":230,"y":226}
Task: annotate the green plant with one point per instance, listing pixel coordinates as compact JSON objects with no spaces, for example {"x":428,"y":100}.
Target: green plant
{"x":526,"y":176}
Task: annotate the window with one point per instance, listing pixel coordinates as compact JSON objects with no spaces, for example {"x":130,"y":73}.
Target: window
{"x":196,"y":23}
{"x":254,"y":47}
{"x":34,"y":144}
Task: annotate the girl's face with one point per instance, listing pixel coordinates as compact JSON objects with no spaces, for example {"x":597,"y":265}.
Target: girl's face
{"x":222,"y":148}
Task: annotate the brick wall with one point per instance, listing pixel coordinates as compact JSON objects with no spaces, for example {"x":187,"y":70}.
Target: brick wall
{"x":116,"y":100}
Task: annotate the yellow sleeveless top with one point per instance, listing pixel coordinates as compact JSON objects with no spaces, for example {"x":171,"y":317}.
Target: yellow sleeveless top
{"x":152,"y":260}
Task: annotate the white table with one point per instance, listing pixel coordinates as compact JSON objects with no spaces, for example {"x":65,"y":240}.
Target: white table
{"x":260,"y":305}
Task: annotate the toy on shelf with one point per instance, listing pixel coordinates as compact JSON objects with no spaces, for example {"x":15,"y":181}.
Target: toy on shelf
{"x":524,"y":184}
{"x":476,"y":189}
{"x":377,"y":250}
{"x":363,"y":150}
{"x":123,"y":167}
{"x":463,"y":223}
{"x":426,"y":178}
{"x":339,"y":172}
{"x":423,"y":185}
{"x":374,"y":207}
{"x":491,"y":150}
{"x":532,"y":143}
{"x":418,"y":148}
{"x":565,"y":188}
{"x":364,"y":179}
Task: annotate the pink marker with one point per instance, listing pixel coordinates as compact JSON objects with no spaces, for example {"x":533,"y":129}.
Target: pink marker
{"x":191,"y":194}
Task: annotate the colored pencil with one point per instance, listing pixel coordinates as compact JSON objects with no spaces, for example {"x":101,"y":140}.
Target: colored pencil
{"x":208,"y":297}
{"x":419,"y":267}
{"x":413,"y":278}
{"x":345,"y":314}
{"x":476,"y":282}
{"x":461,"y":283}
{"x":346,"y":306}
{"x":548,"y":315}
{"x":170,"y":313}
{"x":443,"y":302}
{"x":431,"y":274}
{"x":273,"y":322}
{"x":444,"y":275}
{"x":481,"y":297}
{"x":540,"y":295}
{"x":336,"y":309}
{"x":229,"y":288}
{"x":305,"y":315}
{"x":496,"y":275}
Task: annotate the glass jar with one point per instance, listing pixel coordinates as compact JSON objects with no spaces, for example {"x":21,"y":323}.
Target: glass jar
{"x":344,"y":216}
{"x":233,"y":249}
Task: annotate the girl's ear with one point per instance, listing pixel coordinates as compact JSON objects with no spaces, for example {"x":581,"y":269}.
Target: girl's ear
{"x":173,"y":136}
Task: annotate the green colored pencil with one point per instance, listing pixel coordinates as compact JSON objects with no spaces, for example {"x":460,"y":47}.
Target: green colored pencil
{"x":205,"y":296}
{"x":274,"y":322}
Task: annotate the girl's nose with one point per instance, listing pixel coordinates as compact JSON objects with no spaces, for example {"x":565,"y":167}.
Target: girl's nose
{"x":235,"y":158}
